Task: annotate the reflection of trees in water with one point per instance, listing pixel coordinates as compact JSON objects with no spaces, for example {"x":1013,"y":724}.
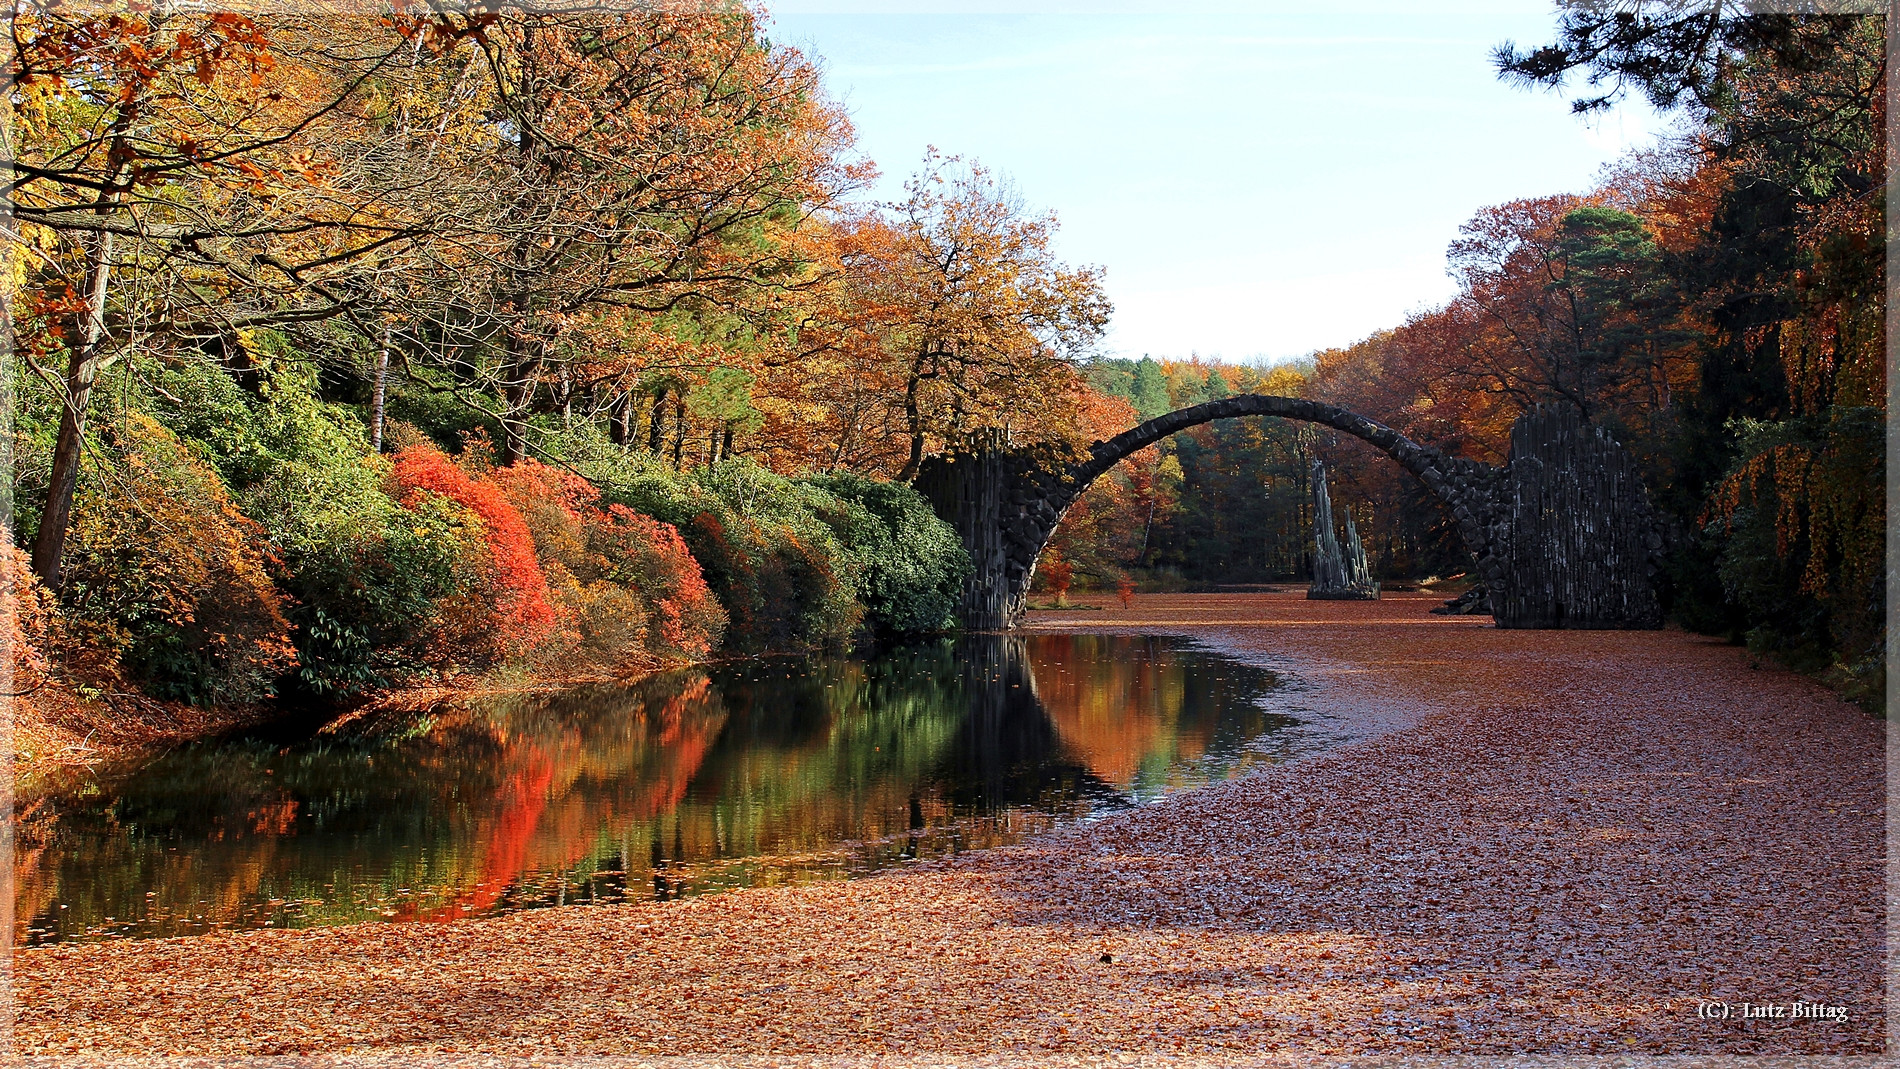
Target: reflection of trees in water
{"x":454,"y":814}
{"x":755,"y":772}
{"x":1007,"y":751}
{"x":1118,"y":713}
{"x":819,"y":753}
{"x":1132,"y":708}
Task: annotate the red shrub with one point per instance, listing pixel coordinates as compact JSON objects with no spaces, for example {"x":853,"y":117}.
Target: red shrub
{"x":607,"y":554}
{"x":1057,"y":574}
{"x":557,"y":487}
{"x":29,"y":620}
{"x":521,"y":599}
{"x":652,"y":557}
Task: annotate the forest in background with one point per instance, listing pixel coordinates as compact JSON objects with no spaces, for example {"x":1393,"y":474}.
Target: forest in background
{"x":1717,"y":302}
{"x":353,"y":356}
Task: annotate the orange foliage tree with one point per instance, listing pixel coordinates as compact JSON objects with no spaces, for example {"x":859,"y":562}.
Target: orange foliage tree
{"x":633,"y":178}
{"x":178,"y":175}
{"x":953,"y":319}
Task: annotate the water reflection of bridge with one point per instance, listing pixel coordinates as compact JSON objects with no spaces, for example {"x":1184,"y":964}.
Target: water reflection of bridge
{"x":1008,"y":750}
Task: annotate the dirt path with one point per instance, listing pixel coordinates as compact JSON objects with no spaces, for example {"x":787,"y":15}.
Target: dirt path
{"x":1572,"y":841}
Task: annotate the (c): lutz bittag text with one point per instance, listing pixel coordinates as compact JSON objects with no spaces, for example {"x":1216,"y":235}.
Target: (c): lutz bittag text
{"x":1753,"y":1011}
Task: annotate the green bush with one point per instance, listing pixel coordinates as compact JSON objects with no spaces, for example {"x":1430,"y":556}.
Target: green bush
{"x":909,"y":563}
{"x":786,"y":580}
{"x":365,"y":573}
{"x":436,"y":413}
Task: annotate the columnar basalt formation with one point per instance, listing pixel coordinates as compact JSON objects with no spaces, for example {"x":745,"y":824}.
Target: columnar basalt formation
{"x":1584,"y":545}
{"x":1566,"y":538}
{"x":1339,"y":573}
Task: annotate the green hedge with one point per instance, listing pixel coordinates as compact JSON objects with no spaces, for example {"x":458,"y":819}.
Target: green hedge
{"x":806,"y":563}
{"x":910,"y":563}
{"x":365,"y":575}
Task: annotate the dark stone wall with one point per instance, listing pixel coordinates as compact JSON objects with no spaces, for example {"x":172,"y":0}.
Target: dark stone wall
{"x":1585,"y":545}
{"x":1005,"y":505}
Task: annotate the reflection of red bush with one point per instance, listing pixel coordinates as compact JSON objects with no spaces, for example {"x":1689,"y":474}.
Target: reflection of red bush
{"x":521,"y":600}
{"x":505,"y":857}
{"x":521,"y":822}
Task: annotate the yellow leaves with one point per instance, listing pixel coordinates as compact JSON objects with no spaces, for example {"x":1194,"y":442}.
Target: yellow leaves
{"x":951,"y":316}
{"x":1834,"y":353}
{"x":37,"y":245}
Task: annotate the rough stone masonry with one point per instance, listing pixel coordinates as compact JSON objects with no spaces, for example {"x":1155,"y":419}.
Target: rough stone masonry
{"x":1563,"y":535}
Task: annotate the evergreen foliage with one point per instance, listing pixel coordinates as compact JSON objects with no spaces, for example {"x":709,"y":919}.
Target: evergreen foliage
{"x":910,"y":564}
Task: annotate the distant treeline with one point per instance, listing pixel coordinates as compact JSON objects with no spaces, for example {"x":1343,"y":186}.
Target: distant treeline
{"x":1718,"y":303}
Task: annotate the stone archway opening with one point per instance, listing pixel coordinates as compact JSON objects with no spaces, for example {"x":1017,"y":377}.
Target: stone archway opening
{"x":1562,"y":535}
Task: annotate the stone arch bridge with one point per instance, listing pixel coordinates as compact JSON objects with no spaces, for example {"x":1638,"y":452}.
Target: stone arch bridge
{"x":1562,"y":534}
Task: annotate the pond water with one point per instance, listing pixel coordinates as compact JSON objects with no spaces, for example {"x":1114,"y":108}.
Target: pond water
{"x":747,"y":774}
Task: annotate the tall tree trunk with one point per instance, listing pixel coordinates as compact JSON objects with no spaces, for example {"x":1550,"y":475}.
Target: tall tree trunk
{"x":376,"y":398}
{"x":517,"y":396}
{"x":679,"y":430}
{"x":844,"y":440}
{"x":913,"y":414}
{"x":514,"y":439}
{"x":49,"y":546}
{"x":725,"y":449}
{"x":620,"y":420}
{"x":1146,"y":529}
{"x":656,"y":424}
{"x":49,"y":543}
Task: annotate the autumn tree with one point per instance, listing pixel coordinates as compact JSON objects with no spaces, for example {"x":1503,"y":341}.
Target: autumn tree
{"x":171,"y":178}
{"x":640,"y":182}
{"x":1577,"y":309}
{"x":1786,"y":278}
{"x":961,"y":305}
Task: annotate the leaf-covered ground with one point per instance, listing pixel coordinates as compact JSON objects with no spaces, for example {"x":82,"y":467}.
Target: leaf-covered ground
{"x":1567,"y":842}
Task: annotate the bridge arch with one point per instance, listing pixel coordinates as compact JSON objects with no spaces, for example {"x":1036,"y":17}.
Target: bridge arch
{"x":1006,"y":503}
{"x":1463,"y":485}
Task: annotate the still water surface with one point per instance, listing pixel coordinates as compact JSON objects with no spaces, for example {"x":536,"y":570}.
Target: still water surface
{"x":699,"y":780}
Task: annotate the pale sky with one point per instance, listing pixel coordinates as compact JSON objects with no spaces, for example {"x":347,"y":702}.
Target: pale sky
{"x":1258,"y":183}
